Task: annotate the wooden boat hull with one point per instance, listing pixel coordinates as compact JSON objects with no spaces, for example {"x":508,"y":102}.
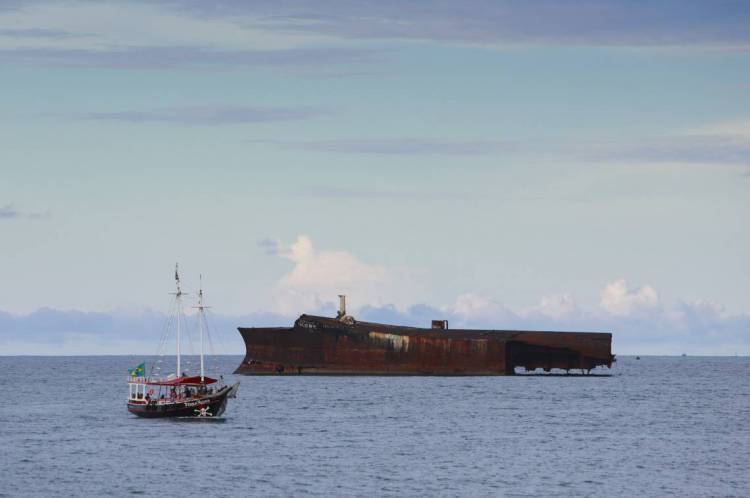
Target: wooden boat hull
{"x":205,"y":406}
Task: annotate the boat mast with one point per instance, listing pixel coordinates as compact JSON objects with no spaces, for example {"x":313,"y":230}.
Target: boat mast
{"x":178,"y":295}
{"x":200,"y":321}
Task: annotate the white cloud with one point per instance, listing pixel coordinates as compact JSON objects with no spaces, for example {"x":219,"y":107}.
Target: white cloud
{"x":475,"y":306}
{"x":556,"y":306}
{"x":319,"y":276}
{"x":619,"y":299}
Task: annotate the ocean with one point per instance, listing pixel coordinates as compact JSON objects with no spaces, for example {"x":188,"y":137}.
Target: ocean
{"x":659,"y":426}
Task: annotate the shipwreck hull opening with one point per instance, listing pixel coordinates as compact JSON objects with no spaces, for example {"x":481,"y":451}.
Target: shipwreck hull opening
{"x":531,"y":357}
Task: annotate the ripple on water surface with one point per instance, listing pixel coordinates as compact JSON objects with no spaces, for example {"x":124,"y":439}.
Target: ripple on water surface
{"x":657,"y":427}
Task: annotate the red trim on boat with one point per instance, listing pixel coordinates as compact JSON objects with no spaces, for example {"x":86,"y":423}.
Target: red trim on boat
{"x":182,"y":381}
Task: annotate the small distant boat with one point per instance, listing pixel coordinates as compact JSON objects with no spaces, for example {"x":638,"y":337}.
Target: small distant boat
{"x":179,"y":394}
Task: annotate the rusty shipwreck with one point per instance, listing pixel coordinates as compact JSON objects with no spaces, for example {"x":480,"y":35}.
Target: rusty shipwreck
{"x":317,"y":345}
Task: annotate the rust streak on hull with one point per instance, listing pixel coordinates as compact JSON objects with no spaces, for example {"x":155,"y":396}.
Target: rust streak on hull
{"x":327,"y":346}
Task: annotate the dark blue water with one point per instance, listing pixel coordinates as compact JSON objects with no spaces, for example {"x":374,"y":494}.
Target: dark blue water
{"x":657,"y":427}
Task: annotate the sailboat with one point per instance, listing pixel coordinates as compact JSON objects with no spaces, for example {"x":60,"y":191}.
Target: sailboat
{"x":179,"y":394}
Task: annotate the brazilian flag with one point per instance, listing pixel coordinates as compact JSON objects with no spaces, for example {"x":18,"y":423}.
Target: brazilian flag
{"x":138,"y":371}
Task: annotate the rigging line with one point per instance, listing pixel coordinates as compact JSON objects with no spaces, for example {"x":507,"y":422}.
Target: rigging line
{"x":186,"y":332}
{"x":203,"y":317}
{"x":214,"y":359}
{"x":162,"y":339}
{"x":167,"y":333}
{"x":167,"y":329}
{"x":163,"y":345}
{"x":189,"y":335}
{"x":208,"y":335}
{"x":222,"y":349}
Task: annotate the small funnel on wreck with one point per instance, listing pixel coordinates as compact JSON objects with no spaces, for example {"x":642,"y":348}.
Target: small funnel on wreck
{"x":342,"y":306}
{"x":341,"y":313}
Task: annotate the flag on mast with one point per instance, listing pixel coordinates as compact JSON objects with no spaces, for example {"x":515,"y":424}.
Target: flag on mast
{"x":138,"y":371}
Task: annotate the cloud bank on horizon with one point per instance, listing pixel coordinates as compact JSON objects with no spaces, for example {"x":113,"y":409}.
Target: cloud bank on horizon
{"x":640,"y":321}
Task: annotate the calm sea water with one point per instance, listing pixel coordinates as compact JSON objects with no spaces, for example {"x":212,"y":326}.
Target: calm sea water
{"x":657,"y":427}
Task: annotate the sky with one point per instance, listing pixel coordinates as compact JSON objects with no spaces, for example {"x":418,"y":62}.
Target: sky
{"x":549,"y":165}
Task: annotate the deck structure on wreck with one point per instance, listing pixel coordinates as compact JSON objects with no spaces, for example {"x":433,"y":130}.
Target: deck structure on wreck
{"x":317,"y":345}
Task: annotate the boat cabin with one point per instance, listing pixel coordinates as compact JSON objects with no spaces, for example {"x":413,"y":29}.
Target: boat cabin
{"x":137,"y":389}
{"x":177,"y":389}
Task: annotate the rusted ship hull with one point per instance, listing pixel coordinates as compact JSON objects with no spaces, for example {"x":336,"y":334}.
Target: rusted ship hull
{"x":327,"y":346}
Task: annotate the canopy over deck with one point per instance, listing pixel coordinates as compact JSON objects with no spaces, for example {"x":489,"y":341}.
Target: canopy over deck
{"x":182,"y":381}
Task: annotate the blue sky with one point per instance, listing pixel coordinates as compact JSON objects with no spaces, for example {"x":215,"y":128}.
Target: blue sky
{"x":508,"y":164}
